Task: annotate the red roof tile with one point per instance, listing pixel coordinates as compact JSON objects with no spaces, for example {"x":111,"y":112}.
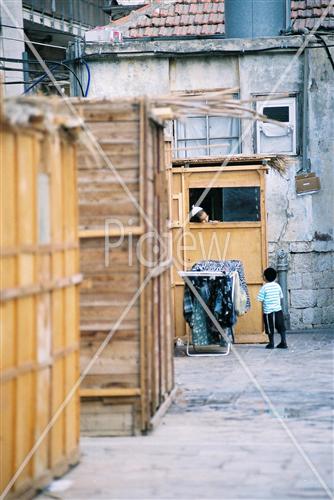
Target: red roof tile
{"x":206,"y":18}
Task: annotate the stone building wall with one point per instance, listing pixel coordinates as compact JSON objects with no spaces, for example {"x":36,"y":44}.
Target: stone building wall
{"x":310,"y":283}
{"x":303,"y":226}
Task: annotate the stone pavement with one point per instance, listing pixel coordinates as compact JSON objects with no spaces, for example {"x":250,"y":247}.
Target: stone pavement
{"x":219,"y":440}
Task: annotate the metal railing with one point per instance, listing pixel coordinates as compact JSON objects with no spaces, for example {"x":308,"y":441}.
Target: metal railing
{"x":86,"y":12}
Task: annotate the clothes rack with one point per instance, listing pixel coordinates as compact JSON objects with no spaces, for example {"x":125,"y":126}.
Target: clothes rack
{"x":209,"y":274}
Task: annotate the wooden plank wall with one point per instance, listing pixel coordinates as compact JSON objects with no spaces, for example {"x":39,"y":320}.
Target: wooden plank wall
{"x":39,"y":306}
{"x":247,"y":241}
{"x":133,"y":375}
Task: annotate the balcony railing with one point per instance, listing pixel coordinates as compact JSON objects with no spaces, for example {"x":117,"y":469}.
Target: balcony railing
{"x":86,"y":12}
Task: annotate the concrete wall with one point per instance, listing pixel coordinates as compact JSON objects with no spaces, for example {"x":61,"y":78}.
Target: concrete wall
{"x":301,"y":225}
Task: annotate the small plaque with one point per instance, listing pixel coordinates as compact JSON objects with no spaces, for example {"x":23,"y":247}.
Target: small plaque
{"x":307,"y":183}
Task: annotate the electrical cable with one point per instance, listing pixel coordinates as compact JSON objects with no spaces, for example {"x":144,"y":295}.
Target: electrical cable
{"x":329,"y":55}
{"x":36,"y":82}
{"x":88,"y":77}
{"x":13,"y":83}
{"x":39,"y":80}
{"x":74,"y":74}
{"x":53,"y":63}
{"x":16,"y":82}
{"x":30,"y":61}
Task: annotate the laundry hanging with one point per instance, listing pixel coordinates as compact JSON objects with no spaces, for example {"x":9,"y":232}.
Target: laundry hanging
{"x":228,"y":267}
{"x":226,"y":296}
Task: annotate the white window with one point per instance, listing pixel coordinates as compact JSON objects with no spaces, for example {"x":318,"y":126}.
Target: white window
{"x":206,"y":136}
{"x":272,"y":138}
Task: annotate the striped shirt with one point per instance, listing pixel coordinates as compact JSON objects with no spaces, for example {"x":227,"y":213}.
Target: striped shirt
{"x":271,"y":295}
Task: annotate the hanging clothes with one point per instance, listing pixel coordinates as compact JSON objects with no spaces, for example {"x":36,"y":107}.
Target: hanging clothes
{"x":222,"y":301}
{"x":217,"y":295}
{"x":239,"y":296}
{"x":227,"y":266}
{"x":225,"y":301}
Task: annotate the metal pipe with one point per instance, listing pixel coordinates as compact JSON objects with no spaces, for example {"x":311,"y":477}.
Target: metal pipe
{"x":287,"y":15}
{"x":282,"y":271}
{"x":305,"y":162}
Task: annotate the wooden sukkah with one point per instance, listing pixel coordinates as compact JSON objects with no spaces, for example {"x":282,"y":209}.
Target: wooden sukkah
{"x":39,"y":295}
{"x":125,"y":296}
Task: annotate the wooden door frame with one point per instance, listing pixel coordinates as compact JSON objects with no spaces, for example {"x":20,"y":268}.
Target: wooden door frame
{"x":185,"y":173}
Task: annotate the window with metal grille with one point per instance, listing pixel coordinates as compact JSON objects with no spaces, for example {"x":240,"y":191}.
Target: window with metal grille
{"x":198,"y":136}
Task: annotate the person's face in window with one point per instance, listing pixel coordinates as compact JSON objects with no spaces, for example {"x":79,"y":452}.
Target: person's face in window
{"x":203,"y":216}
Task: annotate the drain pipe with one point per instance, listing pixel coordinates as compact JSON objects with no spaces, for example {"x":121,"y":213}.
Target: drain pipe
{"x":282,"y":271}
{"x":287,"y":15}
{"x":305,"y":160}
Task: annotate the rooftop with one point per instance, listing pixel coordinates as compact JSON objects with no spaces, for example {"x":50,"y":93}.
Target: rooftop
{"x":206,"y":18}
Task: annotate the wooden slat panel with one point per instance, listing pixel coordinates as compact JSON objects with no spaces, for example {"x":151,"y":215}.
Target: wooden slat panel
{"x":71,"y":376}
{"x":24,"y":419}
{"x":42,"y":418}
{"x":118,"y":358}
{"x":57,"y":205}
{"x":7,"y":429}
{"x":100,"y":419}
{"x":8,"y":315}
{"x":8,"y":186}
{"x":110,"y":280}
{"x":26,"y":175}
{"x":57,"y":433}
{"x":115,"y":131}
{"x":33,"y":330}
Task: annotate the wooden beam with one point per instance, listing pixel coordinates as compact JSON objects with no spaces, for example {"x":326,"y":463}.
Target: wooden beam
{"x":38,"y":249}
{"x":26,"y":291}
{"x":218,"y":168}
{"x":102,"y":233}
{"x":117,"y":392}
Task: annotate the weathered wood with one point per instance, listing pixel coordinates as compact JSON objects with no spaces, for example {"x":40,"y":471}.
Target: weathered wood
{"x":111,"y":393}
{"x":39,"y":304}
{"x":26,"y":291}
{"x":245,"y":241}
{"x":126,"y":186}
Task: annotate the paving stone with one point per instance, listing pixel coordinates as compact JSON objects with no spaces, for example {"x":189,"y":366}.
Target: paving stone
{"x":220,"y":440}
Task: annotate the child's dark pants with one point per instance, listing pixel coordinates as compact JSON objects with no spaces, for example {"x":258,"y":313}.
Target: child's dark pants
{"x":272,"y":321}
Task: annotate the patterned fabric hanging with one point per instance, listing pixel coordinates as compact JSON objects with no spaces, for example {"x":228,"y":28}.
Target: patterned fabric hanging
{"x":217,"y":295}
{"x":227,"y":266}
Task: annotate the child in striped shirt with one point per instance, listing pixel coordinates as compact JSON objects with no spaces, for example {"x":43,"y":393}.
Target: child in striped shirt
{"x":270,"y":295}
